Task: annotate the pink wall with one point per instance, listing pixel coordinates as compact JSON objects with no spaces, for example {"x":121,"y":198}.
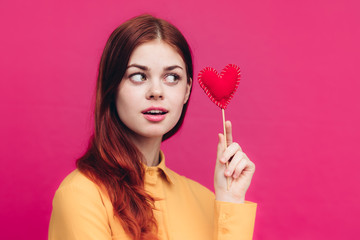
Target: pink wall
{"x":296,"y":113}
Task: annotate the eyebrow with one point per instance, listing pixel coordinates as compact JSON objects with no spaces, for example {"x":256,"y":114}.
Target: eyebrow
{"x":145,"y":68}
{"x":139,"y":66}
{"x":172,"y":67}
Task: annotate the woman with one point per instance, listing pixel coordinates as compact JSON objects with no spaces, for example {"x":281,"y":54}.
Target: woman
{"x":121,"y":188}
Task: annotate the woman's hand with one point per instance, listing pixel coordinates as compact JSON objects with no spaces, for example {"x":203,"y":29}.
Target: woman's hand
{"x":240,"y":169}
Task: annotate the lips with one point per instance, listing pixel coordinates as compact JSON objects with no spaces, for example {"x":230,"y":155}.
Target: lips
{"x":155,"y":111}
{"x":155,"y":114}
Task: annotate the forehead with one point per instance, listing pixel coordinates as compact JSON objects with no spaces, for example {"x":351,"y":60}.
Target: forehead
{"x":156,"y":53}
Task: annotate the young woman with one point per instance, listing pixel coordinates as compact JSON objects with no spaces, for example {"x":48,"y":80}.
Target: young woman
{"x":122,"y":188}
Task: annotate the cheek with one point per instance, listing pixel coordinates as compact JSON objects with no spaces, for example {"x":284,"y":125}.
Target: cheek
{"x":178,"y":102}
{"x":124,"y":102}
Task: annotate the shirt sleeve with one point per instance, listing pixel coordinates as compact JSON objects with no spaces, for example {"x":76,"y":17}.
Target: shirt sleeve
{"x":78,"y":214}
{"x":234,"y":220}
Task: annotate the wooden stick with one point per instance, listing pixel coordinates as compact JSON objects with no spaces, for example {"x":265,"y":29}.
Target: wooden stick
{"x":227,"y":163}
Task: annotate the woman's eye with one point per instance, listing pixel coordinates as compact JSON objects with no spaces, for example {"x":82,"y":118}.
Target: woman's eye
{"x":137,"y":77}
{"x":172,"y":78}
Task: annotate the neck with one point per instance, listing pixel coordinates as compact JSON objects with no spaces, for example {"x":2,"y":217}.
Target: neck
{"x":150,"y":149}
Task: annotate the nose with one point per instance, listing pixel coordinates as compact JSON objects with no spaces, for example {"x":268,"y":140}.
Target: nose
{"x":155,"y":90}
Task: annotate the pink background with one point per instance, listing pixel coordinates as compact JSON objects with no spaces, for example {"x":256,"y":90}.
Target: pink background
{"x":296,"y":113}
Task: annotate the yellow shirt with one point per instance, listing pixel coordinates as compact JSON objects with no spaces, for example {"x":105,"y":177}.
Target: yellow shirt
{"x":187,"y":211}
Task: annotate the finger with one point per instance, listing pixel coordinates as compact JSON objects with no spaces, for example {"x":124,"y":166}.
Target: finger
{"x":234,"y":162}
{"x":220,"y":147}
{"x":229,"y":152}
{"x":228,"y":129}
{"x":250,"y":164}
{"x":240,"y":168}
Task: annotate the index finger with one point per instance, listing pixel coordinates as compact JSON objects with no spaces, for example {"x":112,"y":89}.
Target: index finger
{"x":228,"y":129}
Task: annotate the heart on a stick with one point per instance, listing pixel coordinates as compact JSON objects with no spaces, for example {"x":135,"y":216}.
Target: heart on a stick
{"x":220,"y":88}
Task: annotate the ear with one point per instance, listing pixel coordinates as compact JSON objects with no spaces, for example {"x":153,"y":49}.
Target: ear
{"x":187,"y":93}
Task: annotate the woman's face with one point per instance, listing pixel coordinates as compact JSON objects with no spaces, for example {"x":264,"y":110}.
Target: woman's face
{"x":153,"y":91}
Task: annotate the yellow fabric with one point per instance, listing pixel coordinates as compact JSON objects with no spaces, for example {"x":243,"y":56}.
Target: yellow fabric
{"x":187,"y":211}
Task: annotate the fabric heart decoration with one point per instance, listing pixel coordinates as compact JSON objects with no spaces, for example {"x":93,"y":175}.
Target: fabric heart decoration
{"x":220,"y":88}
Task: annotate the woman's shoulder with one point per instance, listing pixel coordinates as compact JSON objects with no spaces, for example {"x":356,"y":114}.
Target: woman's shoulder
{"x":79,"y":207}
{"x":77,"y":185}
{"x":76,"y":179}
{"x":78,"y":192}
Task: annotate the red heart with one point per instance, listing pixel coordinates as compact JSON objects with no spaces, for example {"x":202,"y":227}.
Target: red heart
{"x":220,"y":88}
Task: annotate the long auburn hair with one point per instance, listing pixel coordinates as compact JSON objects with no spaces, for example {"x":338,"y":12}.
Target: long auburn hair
{"x":112,"y":160}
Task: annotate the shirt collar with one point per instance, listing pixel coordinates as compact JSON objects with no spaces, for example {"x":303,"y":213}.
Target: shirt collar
{"x":162,"y":167}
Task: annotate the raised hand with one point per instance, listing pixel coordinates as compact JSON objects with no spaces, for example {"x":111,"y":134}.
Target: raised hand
{"x":240,"y":169}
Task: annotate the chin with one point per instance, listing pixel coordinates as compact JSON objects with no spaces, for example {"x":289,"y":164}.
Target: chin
{"x":152,"y":132}
{"x":156,"y":132}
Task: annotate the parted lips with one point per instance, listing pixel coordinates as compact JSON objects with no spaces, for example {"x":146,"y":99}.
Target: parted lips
{"x":220,"y":88}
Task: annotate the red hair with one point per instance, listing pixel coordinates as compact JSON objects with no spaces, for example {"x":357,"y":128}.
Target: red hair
{"x":112,"y":160}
